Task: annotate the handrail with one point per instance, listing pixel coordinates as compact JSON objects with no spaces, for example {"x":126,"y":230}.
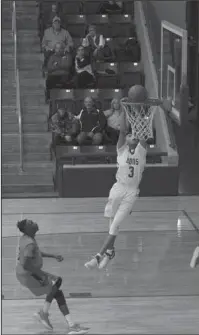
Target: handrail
{"x":18,"y":95}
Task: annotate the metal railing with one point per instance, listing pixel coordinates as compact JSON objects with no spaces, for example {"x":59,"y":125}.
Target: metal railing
{"x":17,"y":81}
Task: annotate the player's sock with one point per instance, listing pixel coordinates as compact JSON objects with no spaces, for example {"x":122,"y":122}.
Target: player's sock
{"x":109,"y":251}
{"x":61,"y":302}
{"x":69,"y":320}
{"x":109,"y":255}
{"x":74,"y":328}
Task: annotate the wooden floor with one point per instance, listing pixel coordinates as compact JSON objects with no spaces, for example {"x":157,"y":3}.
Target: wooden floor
{"x":149,"y":287}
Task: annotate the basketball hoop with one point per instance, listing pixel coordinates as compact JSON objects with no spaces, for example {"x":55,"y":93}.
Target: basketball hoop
{"x":140,"y":116}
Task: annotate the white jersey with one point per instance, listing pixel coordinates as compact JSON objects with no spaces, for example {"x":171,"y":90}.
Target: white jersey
{"x":130,"y":165}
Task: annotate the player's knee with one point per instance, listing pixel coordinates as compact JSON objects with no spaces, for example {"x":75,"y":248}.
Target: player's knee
{"x":58,"y":282}
{"x":97,"y":139}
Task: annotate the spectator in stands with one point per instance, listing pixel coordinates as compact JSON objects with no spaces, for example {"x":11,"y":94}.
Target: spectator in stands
{"x":83,"y":69}
{"x":58,"y":69}
{"x":92,"y":123}
{"x":113,"y":120}
{"x":55,"y":11}
{"x":54,"y":35}
{"x":48,"y":16}
{"x":65,"y":127}
{"x":111,"y":7}
{"x":94,"y":42}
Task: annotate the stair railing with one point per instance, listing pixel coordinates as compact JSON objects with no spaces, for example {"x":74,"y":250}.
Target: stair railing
{"x":17,"y":81}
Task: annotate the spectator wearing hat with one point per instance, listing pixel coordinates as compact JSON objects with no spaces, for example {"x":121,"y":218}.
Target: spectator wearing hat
{"x":54,"y":35}
{"x":46,"y":17}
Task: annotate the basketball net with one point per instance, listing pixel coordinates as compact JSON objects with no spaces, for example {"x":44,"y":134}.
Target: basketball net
{"x":140,"y":116}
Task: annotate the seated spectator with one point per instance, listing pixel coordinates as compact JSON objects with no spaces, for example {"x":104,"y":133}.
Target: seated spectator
{"x":83,"y":69}
{"x":94,"y":42}
{"x":113,"y":120}
{"x":54,"y":35}
{"x":92,"y":123}
{"x":65,"y":127}
{"x":58,"y":69}
{"x":111,"y":7}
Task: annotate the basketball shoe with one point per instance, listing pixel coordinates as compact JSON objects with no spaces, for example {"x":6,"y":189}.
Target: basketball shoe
{"x":109,"y":255}
{"x":77,"y":330}
{"x":44,"y":319}
{"x":195,"y":258}
{"x":93,"y":263}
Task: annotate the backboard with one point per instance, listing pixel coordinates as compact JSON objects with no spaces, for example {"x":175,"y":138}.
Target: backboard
{"x":173,"y":64}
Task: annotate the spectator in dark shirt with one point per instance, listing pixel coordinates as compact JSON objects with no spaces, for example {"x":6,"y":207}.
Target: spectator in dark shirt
{"x":53,"y":35}
{"x":58,"y":69}
{"x":83,"y":69}
{"x":65,"y":126}
{"x":92,"y":123}
{"x":111,"y":7}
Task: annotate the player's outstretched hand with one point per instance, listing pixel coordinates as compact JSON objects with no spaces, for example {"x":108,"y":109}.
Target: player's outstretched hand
{"x":59,"y":258}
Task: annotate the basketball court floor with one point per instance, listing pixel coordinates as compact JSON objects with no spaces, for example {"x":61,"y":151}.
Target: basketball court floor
{"x":148,"y":288}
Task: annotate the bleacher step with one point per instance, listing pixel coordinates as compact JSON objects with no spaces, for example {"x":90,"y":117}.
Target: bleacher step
{"x":27,"y":189}
{"x":14,"y":158}
{"x":30,"y":168}
{"x":41,"y":194}
{"x":10,"y":128}
{"x":25,"y":178}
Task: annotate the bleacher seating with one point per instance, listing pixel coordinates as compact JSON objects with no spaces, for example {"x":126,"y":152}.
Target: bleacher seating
{"x":114,"y":74}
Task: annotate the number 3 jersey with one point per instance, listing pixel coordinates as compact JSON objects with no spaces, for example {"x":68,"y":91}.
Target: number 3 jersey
{"x":130,"y":165}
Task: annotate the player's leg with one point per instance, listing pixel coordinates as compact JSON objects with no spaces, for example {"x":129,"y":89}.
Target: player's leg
{"x":123,"y":211}
{"x":74,"y":328}
{"x":114,"y":200}
{"x":195,"y":258}
{"x":51,"y":286}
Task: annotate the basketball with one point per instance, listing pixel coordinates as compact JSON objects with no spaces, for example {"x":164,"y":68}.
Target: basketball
{"x":137,"y":94}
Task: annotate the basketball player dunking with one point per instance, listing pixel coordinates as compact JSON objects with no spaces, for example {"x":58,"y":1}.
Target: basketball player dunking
{"x":131,"y":159}
{"x":30,"y":274}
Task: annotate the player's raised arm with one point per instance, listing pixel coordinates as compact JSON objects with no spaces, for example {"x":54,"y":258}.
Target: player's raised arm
{"x":143,"y":144}
{"x":123,"y":130}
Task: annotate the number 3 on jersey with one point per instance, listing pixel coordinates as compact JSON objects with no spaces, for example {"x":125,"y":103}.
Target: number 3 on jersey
{"x":131,"y":172}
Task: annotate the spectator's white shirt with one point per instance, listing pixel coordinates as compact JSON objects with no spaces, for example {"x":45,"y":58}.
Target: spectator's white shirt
{"x":113,"y":118}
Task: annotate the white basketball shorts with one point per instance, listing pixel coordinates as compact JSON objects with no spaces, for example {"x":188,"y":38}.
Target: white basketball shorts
{"x":121,"y":199}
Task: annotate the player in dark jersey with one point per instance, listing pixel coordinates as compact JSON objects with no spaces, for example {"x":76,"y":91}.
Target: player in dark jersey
{"x":30,"y":274}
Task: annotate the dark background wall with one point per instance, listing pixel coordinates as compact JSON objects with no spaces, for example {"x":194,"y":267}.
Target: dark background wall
{"x":172,"y":11}
{"x":156,"y":11}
